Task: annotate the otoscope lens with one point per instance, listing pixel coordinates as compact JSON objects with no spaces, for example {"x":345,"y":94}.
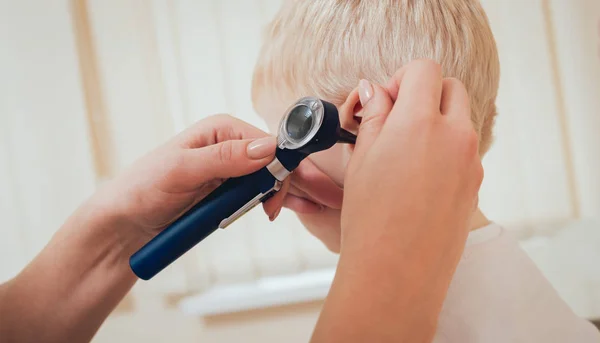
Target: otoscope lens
{"x":299,"y":122}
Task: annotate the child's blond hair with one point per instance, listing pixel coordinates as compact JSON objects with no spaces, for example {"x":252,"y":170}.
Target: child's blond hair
{"x":324,"y":47}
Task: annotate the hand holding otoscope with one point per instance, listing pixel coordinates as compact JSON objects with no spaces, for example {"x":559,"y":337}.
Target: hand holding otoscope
{"x":309,"y":126}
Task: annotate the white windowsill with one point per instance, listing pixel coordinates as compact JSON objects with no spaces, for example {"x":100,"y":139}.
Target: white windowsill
{"x":262,"y":293}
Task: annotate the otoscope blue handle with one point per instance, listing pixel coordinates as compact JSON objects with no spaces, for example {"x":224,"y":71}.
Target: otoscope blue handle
{"x":199,"y":222}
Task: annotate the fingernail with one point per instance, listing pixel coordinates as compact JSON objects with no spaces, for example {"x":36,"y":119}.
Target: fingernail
{"x":261,"y":148}
{"x":365,"y":92}
{"x":275,"y":215}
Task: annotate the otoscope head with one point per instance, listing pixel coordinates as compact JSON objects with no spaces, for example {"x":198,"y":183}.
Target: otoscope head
{"x":309,"y":126}
{"x":312,"y":125}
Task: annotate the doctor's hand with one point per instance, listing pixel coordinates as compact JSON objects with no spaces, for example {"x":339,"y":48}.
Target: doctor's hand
{"x":415,"y":169}
{"x":168,"y":181}
{"x":73,"y":284}
{"x":410,"y":189}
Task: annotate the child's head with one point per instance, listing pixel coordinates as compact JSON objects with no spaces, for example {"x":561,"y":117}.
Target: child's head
{"x":324,"y":47}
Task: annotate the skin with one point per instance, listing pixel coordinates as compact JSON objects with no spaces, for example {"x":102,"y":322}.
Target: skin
{"x":408,"y":251}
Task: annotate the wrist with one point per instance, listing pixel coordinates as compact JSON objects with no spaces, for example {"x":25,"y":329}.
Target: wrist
{"x":109,"y":214}
{"x":106,"y":231}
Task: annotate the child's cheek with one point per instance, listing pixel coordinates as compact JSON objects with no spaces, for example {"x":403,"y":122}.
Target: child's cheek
{"x":332,"y":162}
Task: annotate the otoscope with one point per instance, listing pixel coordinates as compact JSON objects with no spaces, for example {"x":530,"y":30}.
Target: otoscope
{"x":309,"y":126}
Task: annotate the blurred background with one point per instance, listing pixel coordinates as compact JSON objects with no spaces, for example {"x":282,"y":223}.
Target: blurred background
{"x":86,"y":87}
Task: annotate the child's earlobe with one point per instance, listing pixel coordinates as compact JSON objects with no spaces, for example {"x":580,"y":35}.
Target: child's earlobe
{"x":350,"y":112}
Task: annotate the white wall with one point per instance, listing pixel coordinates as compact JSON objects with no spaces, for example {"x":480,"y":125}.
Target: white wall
{"x":45,"y":164}
{"x":576,"y":33}
{"x":88,"y":86}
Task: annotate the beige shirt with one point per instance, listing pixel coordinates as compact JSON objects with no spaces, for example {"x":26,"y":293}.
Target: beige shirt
{"x":499,"y":295}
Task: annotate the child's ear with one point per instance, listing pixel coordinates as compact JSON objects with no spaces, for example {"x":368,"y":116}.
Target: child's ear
{"x":350,"y":112}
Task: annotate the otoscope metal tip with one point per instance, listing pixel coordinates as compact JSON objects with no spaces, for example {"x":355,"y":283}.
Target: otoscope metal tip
{"x":346,"y":137}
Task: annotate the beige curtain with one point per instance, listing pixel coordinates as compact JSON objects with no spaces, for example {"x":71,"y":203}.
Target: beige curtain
{"x":88,"y":86}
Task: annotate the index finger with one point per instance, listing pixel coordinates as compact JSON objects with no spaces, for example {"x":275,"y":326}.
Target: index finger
{"x":216,"y":129}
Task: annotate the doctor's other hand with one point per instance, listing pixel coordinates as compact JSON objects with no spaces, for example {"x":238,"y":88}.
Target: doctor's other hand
{"x":413,"y":180}
{"x":161,"y":186}
{"x":410,"y":190}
